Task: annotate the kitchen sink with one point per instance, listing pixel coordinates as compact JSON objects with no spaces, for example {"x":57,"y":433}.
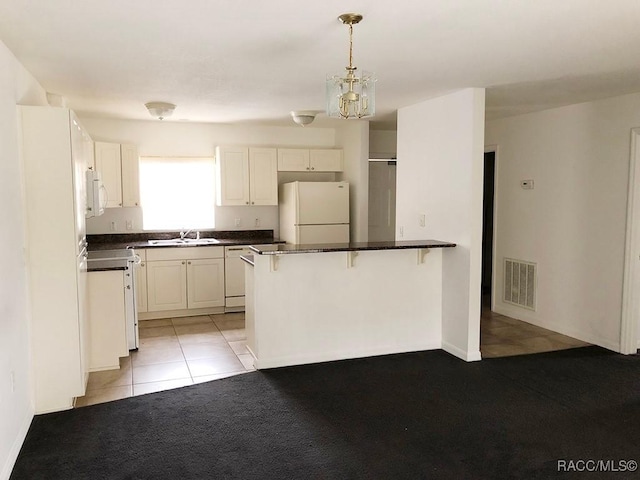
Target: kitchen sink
{"x":185,"y":241}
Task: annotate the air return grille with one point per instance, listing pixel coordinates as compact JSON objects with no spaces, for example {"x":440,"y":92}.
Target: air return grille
{"x":520,"y":283}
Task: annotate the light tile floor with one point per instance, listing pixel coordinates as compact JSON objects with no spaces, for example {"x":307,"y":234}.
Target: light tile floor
{"x":502,"y":336}
{"x":175,"y":352}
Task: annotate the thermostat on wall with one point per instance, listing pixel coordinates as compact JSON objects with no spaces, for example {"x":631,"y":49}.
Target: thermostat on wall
{"x":526,"y":184}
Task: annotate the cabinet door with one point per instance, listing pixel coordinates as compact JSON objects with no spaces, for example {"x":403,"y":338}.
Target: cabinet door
{"x":130,"y":176}
{"x":293,"y":159}
{"x":109,"y":166}
{"x":140,"y":272}
{"x":107,"y":319}
{"x":232,"y":164}
{"x":205,"y":283}
{"x":326,"y":160}
{"x":263,"y":176}
{"x":166,"y":285}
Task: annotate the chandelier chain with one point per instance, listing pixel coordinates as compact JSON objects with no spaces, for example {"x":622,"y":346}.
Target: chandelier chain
{"x":350,"y":46}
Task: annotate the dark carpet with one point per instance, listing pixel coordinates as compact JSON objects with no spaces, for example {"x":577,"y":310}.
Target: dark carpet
{"x":424,"y":415}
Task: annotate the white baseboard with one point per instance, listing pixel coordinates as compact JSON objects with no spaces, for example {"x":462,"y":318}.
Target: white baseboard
{"x":460,"y":353}
{"x":288,"y":360}
{"x":10,"y":461}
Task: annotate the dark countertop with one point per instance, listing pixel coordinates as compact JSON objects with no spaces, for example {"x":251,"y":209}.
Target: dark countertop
{"x":281,"y":249}
{"x":141,"y":240}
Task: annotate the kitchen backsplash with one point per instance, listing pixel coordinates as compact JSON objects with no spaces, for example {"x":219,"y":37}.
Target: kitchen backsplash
{"x":129,"y":220}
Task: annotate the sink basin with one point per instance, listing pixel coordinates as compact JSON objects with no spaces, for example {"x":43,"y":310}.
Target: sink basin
{"x":201,"y":241}
{"x":185,"y":241}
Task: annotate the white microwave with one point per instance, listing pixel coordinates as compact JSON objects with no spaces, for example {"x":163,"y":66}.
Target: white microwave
{"x":96,"y":194}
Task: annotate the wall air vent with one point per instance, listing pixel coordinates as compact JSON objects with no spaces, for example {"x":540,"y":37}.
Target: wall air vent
{"x":520,"y":283}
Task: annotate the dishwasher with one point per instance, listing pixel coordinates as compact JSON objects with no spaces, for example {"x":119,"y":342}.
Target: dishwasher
{"x":234,"y":278}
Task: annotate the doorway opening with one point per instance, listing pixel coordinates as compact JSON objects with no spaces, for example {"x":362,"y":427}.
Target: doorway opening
{"x":382,"y":200}
{"x":487,"y":227}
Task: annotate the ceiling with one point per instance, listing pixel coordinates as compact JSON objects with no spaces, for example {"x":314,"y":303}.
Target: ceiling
{"x":252,"y":61}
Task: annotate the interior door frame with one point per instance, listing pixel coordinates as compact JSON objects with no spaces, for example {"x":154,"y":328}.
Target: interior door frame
{"x":629,"y":342}
{"x":494,"y":262}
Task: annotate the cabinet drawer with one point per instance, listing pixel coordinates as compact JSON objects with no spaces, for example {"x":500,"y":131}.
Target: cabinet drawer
{"x":184,"y":253}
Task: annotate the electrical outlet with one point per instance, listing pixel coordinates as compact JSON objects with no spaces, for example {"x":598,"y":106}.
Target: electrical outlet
{"x":238,"y":222}
{"x":114,"y":226}
{"x":257,"y":222}
{"x":129,"y":225}
{"x":422,"y":219}
{"x":401,"y":232}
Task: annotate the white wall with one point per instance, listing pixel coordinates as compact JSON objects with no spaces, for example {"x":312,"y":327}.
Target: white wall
{"x":156,"y":138}
{"x":572,"y":224}
{"x":439,"y":174}
{"x":383,"y":143}
{"x":353,"y":137}
{"x":17,"y":86}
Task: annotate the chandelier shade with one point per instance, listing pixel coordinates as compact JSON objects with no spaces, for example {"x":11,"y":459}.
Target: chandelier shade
{"x":350,"y":94}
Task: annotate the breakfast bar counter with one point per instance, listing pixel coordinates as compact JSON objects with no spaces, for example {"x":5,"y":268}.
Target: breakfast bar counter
{"x":314,"y":303}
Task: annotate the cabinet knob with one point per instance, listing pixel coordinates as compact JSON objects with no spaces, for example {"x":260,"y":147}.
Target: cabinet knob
{"x":247,"y":203}
{"x":307,"y":168}
{"x":313,"y":168}
{"x":120,"y":204}
{"x":142,"y":264}
{"x":183,"y":262}
{"x":253,"y":203}
{"x":189,"y":263}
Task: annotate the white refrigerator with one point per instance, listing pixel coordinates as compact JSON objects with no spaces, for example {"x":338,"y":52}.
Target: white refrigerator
{"x":314,"y":212}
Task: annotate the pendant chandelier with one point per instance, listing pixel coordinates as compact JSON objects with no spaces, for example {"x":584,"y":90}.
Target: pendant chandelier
{"x":351,"y":95}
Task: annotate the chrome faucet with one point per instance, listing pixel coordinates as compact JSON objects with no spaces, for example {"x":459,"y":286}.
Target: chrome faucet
{"x":184,"y":233}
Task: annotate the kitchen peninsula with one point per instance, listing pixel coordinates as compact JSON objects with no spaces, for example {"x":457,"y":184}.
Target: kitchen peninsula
{"x":314,"y":303}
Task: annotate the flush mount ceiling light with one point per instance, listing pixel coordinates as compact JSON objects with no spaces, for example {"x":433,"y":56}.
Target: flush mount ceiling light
{"x":304,"y":117}
{"x":160,"y":110}
{"x":351,"y":95}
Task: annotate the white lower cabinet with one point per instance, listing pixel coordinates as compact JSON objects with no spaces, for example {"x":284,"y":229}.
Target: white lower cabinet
{"x":184,"y":278}
{"x":166,"y":285}
{"x":205,"y":283}
{"x":107,"y":319}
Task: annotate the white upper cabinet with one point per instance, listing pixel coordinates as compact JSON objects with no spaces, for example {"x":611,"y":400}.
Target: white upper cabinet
{"x":109,"y":165}
{"x":232,"y":179}
{"x":310,"y":160}
{"x":326,"y":160}
{"x":130,"y":176}
{"x":263,"y":176}
{"x":246,"y":176}
{"x":118,"y":166}
{"x":293,"y":159}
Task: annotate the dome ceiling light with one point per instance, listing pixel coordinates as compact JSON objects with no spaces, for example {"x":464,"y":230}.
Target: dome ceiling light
{"x":304,"y":117}
{"x":160,"y":110}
